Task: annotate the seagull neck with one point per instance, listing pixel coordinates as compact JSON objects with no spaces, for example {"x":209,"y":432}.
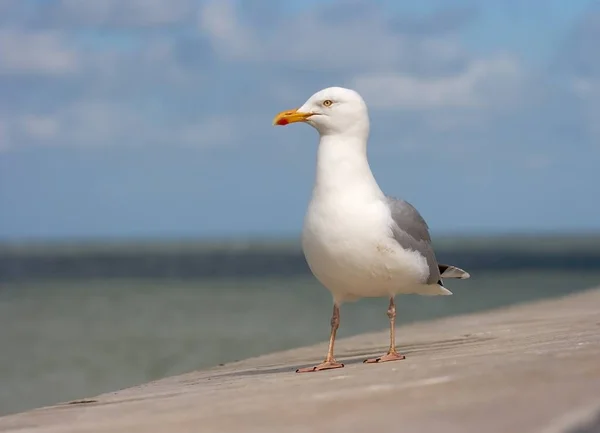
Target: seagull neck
{"x":342,"y":165}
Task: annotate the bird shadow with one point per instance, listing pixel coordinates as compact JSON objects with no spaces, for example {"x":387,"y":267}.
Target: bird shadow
{"x":358,"y":357}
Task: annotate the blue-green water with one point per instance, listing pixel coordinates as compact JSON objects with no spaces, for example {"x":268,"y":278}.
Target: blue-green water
{"x":61,"y":340}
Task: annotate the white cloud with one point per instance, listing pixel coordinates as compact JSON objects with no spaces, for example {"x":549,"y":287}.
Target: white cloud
{"x":312,"y":41}
{"x":35,"y":52}
{"x":105,"y":123}
{"x":366,"y":42}
{"x":29,"y":128}
{"x":392,"y":68}
{"x":83,"y":123}
{"x":229,"y":36}
{"x":582,"y":87}
{"x":152,"y":65}
{"x":91,"y":123}
{"x":123,"y":12}
{"x":164,"y":86}
{"x":470,"y":88}
{"x":39,"y":127}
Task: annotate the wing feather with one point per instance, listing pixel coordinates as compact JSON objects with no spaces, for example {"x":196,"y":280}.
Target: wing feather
{"x":411,"y":231}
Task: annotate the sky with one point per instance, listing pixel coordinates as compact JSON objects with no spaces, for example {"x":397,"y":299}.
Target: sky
{"x":152,"y":118}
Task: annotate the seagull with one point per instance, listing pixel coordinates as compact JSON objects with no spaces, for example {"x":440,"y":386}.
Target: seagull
{"x":359,"y":242}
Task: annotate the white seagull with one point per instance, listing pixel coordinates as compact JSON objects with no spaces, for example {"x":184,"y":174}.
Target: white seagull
{"x":357,"y":241}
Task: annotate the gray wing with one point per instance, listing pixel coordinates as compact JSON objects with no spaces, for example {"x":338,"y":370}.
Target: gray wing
{"x":411,"y":232}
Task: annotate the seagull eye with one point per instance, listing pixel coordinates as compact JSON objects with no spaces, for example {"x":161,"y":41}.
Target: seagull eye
{"x":327,"y":102}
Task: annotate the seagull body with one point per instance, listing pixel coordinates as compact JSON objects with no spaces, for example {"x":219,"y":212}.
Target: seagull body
{"x":357,"y":241}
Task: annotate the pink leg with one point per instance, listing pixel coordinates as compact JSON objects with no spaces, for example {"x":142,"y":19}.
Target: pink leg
{"x":392,"y":354}
{"x":330,"y":361}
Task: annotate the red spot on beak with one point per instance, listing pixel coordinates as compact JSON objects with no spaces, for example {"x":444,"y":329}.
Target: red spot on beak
{"x":282,"y":122}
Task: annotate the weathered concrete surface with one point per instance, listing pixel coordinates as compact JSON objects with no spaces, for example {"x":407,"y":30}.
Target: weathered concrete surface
{"x":529,"y":368}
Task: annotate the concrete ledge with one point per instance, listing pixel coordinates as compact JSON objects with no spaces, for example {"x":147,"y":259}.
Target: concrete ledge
{"x":528,"y":368}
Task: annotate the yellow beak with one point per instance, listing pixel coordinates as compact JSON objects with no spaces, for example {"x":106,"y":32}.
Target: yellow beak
{"x":290,"y":116}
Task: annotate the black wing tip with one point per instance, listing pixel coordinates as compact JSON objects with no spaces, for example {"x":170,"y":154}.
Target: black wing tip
{"x":454,"y":272}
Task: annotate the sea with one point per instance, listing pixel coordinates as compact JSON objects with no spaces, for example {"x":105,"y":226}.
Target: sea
{"x":77,"y":320}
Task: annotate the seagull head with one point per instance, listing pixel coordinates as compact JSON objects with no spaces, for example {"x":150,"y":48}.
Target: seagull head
{"x":331,"y":111}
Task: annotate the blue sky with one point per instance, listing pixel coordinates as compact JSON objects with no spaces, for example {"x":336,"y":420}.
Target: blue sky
{"x":152,"y":118}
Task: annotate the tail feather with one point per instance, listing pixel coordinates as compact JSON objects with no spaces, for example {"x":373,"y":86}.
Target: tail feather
{"x":433,"y":290}
{"x":448,"y":271}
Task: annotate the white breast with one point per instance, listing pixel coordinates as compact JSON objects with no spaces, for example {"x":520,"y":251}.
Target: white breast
{"x":348,"y":245}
